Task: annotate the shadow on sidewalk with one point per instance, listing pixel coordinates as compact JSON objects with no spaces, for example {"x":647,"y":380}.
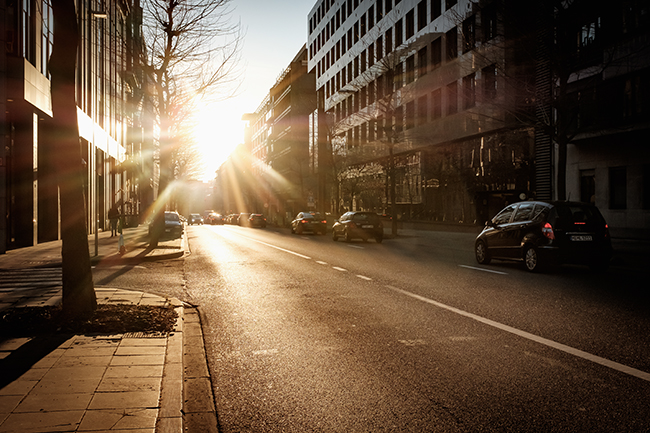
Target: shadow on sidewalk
{"x":26,"y":356}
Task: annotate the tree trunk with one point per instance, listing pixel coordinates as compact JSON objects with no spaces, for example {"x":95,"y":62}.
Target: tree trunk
{"x":78,"y":290}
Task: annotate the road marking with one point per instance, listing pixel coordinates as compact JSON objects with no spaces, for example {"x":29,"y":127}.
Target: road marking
{"x":277,"y":248}
{"x":339,"y":269}
{"x":363,"y":277}
{"x":541,"y":340}
{"x":320,"y":262}
{"x":484,"y":270}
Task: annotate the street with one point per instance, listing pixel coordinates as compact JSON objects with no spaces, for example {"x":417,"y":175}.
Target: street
{"x":306,"y":334}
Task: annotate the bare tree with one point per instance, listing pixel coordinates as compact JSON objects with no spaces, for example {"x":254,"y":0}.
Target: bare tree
{"x":78,"y":291}
{"x":192,"y":52}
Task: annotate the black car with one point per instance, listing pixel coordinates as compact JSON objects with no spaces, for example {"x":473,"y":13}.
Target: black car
{"x":195,"y":218}
{"x":363,"y":225}
{"x":257,"y":220}
{"x":309,"y":222}
{"x":540,"y":233}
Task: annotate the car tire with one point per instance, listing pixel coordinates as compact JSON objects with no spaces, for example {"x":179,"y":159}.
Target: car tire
{"x":379,"y":239}
{"x":531,"y":259}
{"x":482,"y":254}
{"x":334,"y":236}
{"x":299,"y":230}
{"x":348,"y":238}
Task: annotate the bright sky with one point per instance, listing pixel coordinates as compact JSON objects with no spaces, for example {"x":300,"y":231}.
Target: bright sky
{"x":274,"y":31}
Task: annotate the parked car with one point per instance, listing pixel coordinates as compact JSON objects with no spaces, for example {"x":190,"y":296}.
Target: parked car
{"x":214,"y":219}
{"x":195,"y":218}
{"x":309,"y":222}
{"x":173,"y":225}
{"x":242,"y":220}
{"x":257,"y":220}
{"x":363,"y":225}
{"x":540,"y":233}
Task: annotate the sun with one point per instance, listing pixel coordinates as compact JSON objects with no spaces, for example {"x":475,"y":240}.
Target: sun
{"x":218,"y":132}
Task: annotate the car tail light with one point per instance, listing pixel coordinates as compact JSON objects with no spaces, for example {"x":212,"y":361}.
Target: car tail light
{"x":303,"y":221}
{"x":547,"y":230}
{"x":324,"y":222}
{"x":353,"y":226}
{"x":606,"y":231}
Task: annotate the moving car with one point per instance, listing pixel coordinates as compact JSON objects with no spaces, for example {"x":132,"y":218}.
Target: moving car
{"x":242,"y":220}
{"x":540,"y":233}
{"x":309,"y":222}
{"x":214,"y":218}
{"x":363,"y":225}
{"x":195,"y":218}
{"x":257,"y":220}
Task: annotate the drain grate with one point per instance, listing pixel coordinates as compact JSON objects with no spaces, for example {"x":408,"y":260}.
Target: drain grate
{"x":145,"y":335}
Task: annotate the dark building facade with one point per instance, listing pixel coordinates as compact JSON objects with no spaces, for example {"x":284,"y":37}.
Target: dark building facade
{"x":115,"y":126}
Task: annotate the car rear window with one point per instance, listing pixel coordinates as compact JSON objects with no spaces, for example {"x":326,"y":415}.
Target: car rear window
{"x":171,"y":217}
{"x":366,"y":217}
{"x":579,"y":213}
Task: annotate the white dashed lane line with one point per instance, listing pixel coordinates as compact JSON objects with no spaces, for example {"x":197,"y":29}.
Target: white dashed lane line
{"x":484,"y":270}
{"x":363,"y":277}
{"x":320,"y":262}
{"x":339,"y":269}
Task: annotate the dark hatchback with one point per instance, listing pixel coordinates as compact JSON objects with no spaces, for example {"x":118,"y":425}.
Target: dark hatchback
{"x":541,"y":233}
{"x":363,"y":225}
{"x":309,"y":222}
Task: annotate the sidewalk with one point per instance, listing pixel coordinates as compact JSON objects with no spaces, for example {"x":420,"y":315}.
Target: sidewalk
{"x":74,"y":383}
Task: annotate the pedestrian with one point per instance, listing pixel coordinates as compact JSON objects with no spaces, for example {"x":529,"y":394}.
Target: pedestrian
{"x":113,"y":216}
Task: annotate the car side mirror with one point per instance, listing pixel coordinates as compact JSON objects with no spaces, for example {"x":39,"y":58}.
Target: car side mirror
{"x":490,"y":223}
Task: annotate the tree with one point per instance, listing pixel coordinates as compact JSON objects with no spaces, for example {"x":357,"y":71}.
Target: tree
{"x":192,"y":50}
{"x":78,"y":291}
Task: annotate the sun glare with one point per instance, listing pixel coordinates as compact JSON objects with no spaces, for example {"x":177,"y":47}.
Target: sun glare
{"x":219,"y":131}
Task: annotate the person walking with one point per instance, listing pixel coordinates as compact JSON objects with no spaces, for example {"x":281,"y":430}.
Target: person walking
{"x":113,"y":216}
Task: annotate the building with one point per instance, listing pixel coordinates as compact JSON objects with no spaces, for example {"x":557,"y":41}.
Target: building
{"x":282,"y":158}
{"x":115,"y":126}
{"x":605,"y":69}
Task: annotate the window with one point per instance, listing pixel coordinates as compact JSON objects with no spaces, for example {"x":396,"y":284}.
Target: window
{"x":410,"y":69}
{"x":469,"y":41}
{"x":399,"y":76}
{"x":489,"y":75}
{"x":436,"y":104}
{"x":388,"y":39}
{"x":504,"y":216}
{"x":422,"y":14}
{"x":363,"y":61}
{"x":588,"y":186}
{"x":399,"y":119}
{"x":436,"y":53}
{"x":410,"y":114}
{"x":450,"y":3}
{"x":452,"y":44}
{"x":489,"y":22}
{"x":389,"y":6}
{"x":436,"y":9}
{"x":452,"y":98}
{"x":371,"y":17}
{"x":362,"y":26}
{"x":524,"y":212}
{"x":410,"y":24}
{"x":618,"y":188}
{"x":399,"y":33}
{"x":469,"y":91}
{"x":371,"y":55}
{"x":422,"y":62}
{"x":380,"y":48}
{"x":380,"y":10}
{"x":423,"y":110}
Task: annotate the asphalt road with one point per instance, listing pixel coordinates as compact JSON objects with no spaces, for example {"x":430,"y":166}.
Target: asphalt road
{"x":306,"y":334}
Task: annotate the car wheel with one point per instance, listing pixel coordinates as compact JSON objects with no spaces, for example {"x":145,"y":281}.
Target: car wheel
{"x":482,"y":255}
{"x":379,"y":239}
{"x":531,"y":259}
{"x":299,"y":230}
{"x":348,"y":238}
{"x":334,"y":236}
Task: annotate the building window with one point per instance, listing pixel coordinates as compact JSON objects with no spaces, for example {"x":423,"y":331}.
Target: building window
{"x":399,"y":119}
{"x":469,"y":37}
{"x":410,"y":114}
{"x":588,"y":186}
{"x":436,"y":53}
{"x":452,"y":44}
{"x":450,"y":3}
{"x":371,"y":55}
{"x":379,"y":48}
{"x":469,"y":91}
{"x":410,"y":69}
{"x":410,"y":24}
{"x":489,"y":75}
{"x":371,"y":17}
{"x":436,"y":104}
{"x":423,"y":110}
{"x":452,"y":98}
{"x":422,"y":14}
{"x":388,"y":39}
{"x":489,"y":23}
{"x":399,"y":33}
{"x":618,"y":188}
{"x":436,"y":9}
{"x":422,"y":62}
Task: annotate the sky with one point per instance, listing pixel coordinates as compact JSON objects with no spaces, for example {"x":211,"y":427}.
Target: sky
{"x":274,"y":31}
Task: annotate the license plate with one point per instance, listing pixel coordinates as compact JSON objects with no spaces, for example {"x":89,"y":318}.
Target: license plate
{"x":168,"y":230}
{"x":367,"y":226}
{"x":581,"y":238}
